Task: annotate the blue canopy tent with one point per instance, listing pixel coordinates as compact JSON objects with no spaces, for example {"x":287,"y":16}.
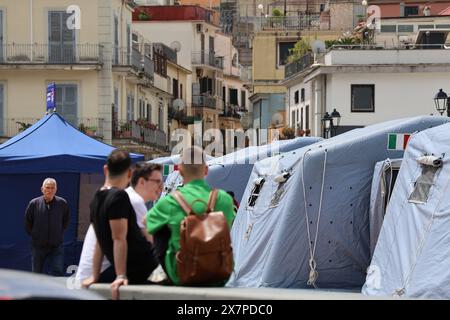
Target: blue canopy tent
{"x":50,"y":148}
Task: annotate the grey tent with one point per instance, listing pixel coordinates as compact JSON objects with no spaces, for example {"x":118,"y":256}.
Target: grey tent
{"x":412,"y":255}
{"x":231,"y":172}
{"x":304,"y":217}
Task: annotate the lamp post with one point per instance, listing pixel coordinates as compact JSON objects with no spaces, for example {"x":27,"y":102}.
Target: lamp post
{"x":326,"y":123}
{"x":336,"y":120}
{"x":330,"y":123}
{"x":442,"y":102}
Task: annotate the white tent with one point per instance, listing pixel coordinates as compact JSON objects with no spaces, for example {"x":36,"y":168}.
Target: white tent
{"x":412,"y":255}
{"x":304,"y":217}
{"x":231,"y":172}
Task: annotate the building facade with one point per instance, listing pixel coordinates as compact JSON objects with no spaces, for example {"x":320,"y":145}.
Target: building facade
{"x":366,"y":86}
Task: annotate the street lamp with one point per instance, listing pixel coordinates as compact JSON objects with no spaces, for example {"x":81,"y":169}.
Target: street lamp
{"x":336,"y":120}
{"x":331,"y":123}
{"x":327,"y":121}
{"x":442,"y":102}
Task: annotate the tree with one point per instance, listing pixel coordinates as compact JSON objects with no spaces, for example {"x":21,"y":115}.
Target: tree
{"x":301,"y":48}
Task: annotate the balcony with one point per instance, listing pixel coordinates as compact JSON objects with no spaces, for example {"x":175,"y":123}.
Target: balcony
{"x":182,"y":117}
{"x":166,"y":51}
{"x":204,"y":101}
{"x":91,"y":126}
{"x":207,"y":59}
{"x":141,"y":132}
{"x":124,"y":60}
{"x":45,"y":54}
{"x":178,"y":13}
{"x":298,"y":65}
{"x":304,"y":21}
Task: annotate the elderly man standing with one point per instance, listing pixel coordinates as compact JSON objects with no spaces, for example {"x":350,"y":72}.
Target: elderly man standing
{"x":46,"y":219}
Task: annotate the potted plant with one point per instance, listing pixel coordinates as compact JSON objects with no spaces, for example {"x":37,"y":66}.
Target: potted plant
{"x":288,"y":132}
{"x":143,"y":16}
{"x":125,"y":129}
{"x":82,"y":127}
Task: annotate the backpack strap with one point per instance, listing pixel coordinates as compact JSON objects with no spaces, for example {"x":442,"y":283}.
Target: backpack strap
{"x":212,"y":200}
{"x":182,"y":202}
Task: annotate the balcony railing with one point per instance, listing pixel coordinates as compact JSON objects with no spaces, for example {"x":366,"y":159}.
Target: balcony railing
{"x":133,"y":130}
{"x":59,"y":53}
{"x":128,"y":57}
{"x":91,"y":126}
{"x":300,"y":22}
{"x":209,"y":59}
{"x":298,"y":65}
{"x":167,"y":51}
{"x":149,"y":67}
{"x":204,"y":101}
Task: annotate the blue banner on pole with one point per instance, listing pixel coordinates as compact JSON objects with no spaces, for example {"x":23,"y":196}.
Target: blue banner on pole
{"x":51,"y":91}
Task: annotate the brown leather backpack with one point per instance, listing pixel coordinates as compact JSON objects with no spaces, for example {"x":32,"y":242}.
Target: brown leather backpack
{"x":205,"y":256}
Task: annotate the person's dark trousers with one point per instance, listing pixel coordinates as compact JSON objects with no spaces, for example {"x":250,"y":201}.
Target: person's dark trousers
{"x":53,"y":256}
{"x":160,"y":244}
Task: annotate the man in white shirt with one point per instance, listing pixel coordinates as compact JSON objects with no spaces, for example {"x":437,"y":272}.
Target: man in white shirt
{"x":146,"y":185}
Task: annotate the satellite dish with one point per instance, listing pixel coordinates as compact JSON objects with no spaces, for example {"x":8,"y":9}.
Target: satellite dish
{"x":178,"y":104}
{"x":318,"y":47}
{"x":176,"y":46}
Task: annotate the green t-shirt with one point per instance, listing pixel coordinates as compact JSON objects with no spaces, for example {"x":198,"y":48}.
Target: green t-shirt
{"x":168,"y":212}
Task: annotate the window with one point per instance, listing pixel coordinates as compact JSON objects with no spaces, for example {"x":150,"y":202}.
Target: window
{"x":297,"y":116}
{"x":411,"y":11}
{"x":130,"y":107}
{"x":293,"y":118}
{"x":1,"y":108}
{"x":149,"y":112}
{"x":280,"y":190}
{"x":233,"y":97}
{"x":301,"y":118}
{"x":388,"y":28}
{"x":302,"y":96}
{"x":115,"y":110}
{"x":181,"y":91}
{"x":116,"y":40}
{"x":443,"y":26}
{"x":405,"y":28}
{"x":243,"y":100}
{"x":66,"y":99}
{"x":141,"y":108}
{"x":1,"y":35}
{"x":426,"y":26}
{"x":161,"y":116}
{"x":284,"y":52}
{"x":175,"y":88}
{"x":362,"y":98}
{"x":61,"y":38}
{"x":307,"y":117}
{"x":256,"y":191}
{"x":423,"y":185}
{"x":128,"y":44}
{"x":296,"y":97}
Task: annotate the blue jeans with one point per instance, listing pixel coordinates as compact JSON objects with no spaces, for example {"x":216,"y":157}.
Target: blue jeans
{"x":54,"y":258}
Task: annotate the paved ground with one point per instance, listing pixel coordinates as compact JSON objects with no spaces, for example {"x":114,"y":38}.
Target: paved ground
{"x":154,"y":292}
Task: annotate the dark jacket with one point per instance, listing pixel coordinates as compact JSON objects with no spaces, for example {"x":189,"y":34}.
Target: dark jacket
{"x":46,"y":222}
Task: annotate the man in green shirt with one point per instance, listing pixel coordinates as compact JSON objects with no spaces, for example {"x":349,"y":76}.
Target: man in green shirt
{"x":164,"y":219}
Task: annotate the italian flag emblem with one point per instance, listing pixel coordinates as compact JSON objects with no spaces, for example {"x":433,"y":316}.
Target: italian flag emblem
{"x":169,"y":168}
{"x":398,"y":141}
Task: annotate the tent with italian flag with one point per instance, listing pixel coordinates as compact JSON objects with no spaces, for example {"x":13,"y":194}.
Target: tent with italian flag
{"x":303,"y":221}
{"x":412,"y":255}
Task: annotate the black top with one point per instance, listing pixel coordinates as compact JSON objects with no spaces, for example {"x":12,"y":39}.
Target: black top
{"x":115,"y":204}
{"x":46,"y":222}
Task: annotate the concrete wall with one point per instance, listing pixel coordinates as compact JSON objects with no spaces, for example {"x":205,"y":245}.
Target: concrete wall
{"x":298,"y":108}
{"x":265,"y":58}
{"x":341,"y":16}
{"x":386,"y":57}
{"x":396,"y":95}
{"x":25,"y":91}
